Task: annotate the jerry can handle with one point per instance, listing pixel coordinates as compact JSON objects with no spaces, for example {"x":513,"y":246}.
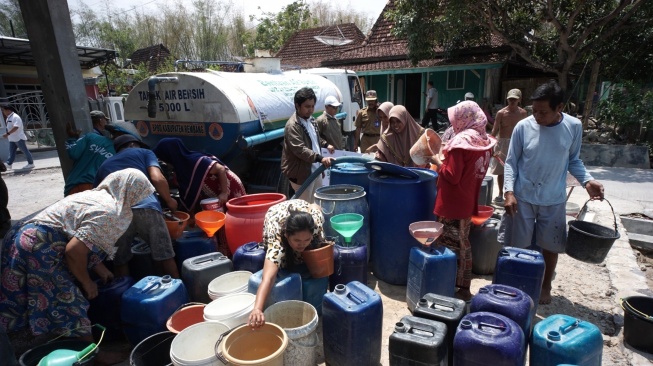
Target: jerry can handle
{"x":483,"y":324}
{"x":503,"y":292}
{"x":355,"y":298}
{"x":151,"y":286}
{"x":443,"y":307}
{"x":569,"y":326}
{"x":528,"y":256}
{"x":159,"y":283}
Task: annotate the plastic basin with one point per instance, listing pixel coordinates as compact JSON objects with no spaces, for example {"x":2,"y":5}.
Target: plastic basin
{"x":484,"y":213}
{"x":425,"y":231}
{"x":176,"y":228}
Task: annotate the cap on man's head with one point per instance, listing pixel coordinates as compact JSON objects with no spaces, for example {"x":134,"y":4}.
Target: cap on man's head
{"x":370,"y":95}
{"x":122,"y":140}
{"x":514,"y":94}
{"x":95,"y":115}
{"x":332,"y":101}
{"x":469,"y":96}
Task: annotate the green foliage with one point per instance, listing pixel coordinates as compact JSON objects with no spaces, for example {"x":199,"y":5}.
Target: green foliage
{"x":117,"y":81}
{"x":275,"y":29}
{"x":552,"y":36}
{"x":630,"y":107}
{"x":10,"y":16}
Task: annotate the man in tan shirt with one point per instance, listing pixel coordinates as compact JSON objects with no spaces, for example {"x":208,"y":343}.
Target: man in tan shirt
{"x":368,"y":123}
{"x":504,"y":123}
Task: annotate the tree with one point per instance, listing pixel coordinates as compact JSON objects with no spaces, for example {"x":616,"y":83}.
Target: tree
{"x":11,"y":20}
{"x":275,"y":29}
{"x":326,"y":14}
{"x":551,"y":35}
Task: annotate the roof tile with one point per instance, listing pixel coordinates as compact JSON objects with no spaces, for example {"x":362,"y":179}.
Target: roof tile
{"x":302,"y":49}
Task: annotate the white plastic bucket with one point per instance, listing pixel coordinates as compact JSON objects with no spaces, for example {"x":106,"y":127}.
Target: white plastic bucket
{"x":195,"y":345}
{"x":231,"y":310}
{"x":228,"y":284}
{"x":299,"y":320}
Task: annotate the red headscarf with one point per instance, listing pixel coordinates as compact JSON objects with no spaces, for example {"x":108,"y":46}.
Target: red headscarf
{"x":468,"y":125}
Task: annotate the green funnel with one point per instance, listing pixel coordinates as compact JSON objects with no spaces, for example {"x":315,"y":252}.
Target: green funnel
{"x":347,"y":224}
{"x":66,"y":357}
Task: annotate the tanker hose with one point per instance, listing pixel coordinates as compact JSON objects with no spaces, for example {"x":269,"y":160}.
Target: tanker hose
{"x":151,"y":104}
{"x":151,"y":93}
{"x":318,"y":171}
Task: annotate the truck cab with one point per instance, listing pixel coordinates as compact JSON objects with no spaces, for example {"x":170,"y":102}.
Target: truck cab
{"x":351,"y":96}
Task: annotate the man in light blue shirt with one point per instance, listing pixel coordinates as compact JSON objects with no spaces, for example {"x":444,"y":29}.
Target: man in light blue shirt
{"x":543,"y":147}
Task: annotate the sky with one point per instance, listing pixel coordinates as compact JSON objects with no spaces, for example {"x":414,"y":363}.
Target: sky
{"x":249,"y":7}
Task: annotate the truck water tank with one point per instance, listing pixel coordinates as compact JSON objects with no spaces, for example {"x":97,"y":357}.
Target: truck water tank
{"x":213,"y":111}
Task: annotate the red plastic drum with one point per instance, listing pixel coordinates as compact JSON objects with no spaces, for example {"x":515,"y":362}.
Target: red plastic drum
{"x":245,"y":215}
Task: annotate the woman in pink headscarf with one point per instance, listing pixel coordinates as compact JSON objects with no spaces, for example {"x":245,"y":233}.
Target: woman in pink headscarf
{"x":466,"y":158}
{"x":398,"y":138}
{"x":383,"y":112}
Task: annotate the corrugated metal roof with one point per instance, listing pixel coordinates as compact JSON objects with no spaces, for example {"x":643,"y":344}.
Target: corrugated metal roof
{"x":17,"y":51}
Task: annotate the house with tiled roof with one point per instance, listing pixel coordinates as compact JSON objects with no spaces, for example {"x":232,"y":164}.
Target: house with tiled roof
{"x":151,"y":56}
{"x":308,"y":47}
{"x":381,"y":61}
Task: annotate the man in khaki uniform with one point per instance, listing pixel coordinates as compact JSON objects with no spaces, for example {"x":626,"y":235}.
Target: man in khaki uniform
{"x":328,"y":126}
{"x":504,"y":123}
{"x":367,"y":123}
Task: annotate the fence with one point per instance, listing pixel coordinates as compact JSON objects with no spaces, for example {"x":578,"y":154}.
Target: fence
{"x":31,"y":108}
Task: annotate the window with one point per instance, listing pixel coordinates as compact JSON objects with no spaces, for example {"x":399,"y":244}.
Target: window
{"x":355,"y":89}
{"x":456,"y":80}
{"x":117,"y":111}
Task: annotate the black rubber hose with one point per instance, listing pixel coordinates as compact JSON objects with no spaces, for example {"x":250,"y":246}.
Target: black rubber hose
{"x":318,"y":171}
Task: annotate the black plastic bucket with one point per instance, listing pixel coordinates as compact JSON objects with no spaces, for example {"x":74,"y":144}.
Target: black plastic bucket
{"x":34,"y":355}
{"x":153,"y":350}
{"x":638,"y":322}
{"x":590,"y":242}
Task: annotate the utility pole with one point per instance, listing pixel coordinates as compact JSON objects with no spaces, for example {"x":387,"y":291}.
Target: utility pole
{"x":52,"y":41}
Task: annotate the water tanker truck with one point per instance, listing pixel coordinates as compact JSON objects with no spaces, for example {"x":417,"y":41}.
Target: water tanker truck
{"x":236,"y":116}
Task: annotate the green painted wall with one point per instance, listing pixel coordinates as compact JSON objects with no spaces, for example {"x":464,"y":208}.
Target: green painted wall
{"x":473,"y":81}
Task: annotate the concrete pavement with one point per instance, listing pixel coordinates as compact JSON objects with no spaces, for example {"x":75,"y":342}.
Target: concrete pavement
{"x":626,"y":189}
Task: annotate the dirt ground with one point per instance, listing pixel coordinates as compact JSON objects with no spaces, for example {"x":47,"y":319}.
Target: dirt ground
{"x":581,"y":290}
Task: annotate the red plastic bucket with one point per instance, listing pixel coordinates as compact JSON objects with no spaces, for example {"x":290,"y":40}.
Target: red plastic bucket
{"x":245,"y":215}
{"x":187,"y":315}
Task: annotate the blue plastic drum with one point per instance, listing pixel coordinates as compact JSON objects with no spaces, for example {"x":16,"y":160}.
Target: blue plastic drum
{"x":395,"y":203}
{"x":344,"y":198}
{"x":351,"y":173}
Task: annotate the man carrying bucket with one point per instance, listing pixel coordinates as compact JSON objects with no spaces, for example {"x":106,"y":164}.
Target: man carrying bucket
{"x":543,"y":147}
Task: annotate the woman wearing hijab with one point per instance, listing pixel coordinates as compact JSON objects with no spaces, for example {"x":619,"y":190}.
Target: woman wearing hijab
{"x":47,"y":257}
{"x":399,"y":137}
{"x":466,"y":158}
{"x":198,"y":175}
{"x":383,"y":112}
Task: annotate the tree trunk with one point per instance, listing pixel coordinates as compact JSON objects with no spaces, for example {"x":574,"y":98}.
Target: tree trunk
{"x":596,"y":65}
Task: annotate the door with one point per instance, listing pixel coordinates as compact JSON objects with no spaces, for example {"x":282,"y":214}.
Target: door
{"x":413,"y":94}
